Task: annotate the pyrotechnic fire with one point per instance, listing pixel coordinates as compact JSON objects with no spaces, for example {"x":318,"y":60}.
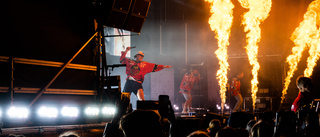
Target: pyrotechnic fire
{"x":314,"y":52}
{"x":293,"y":61}
{"x":220,"y":22}
{"x":306,"y":35}
{"x":313,"y":15}
{"x":258,"y":12}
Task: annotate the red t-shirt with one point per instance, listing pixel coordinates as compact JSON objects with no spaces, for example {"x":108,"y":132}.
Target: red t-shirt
{"x":235,"y":86}
{"x":137,"y":70}
{"x":188,"y":82}
{"x":302,"y":100}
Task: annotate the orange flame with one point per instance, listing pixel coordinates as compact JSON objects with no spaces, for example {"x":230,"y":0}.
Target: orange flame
{"x":258,"y":12}
{"x":220,"y":22}
{"x":306,"y":35}
{"x":314,"y":52}
{"x":312,"y":15}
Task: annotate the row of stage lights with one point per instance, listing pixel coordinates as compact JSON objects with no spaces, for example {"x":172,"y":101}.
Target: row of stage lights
{"x":50,"y":112}
{"x":225,"y":106}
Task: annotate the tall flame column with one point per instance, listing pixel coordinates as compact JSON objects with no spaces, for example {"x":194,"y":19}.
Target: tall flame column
{"x":221,"y":22}
{"x":258,"y":12}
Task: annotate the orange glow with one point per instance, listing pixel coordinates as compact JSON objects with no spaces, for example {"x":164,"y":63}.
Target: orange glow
{"x":221,"y":22}
{"x":313,"y":20}
{"x":304,"y":36}
{"x":258,"y":12}
{"x":314,"y":52}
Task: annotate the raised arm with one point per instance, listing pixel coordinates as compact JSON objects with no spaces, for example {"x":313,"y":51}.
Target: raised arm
{"x":123,"y":55}
{"x":160,"y":67}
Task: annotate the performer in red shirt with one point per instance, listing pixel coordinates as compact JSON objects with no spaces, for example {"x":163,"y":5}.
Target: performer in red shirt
{"x":304,"y":98}
{"x":235,"y":89}
{"x":186,"y":86}
{"x":136,"y":70}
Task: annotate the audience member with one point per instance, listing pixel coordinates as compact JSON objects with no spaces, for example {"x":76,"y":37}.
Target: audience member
{"x":69,"y":134}
{"x":304,"y":99}
{"x":242,"y":132}
{"x":239,"y":119}
{"x":199,"y":133}
{"x":308,"y":122}
{"x":269,"y":117}
{"x":261,"y":129}
{"x":123,"y":105}
{"x":250,"y":125}
{"x":214,"y":127}
{"x":142,"y":123}
{"x":285,"y":125}
{"x":227,"y":132}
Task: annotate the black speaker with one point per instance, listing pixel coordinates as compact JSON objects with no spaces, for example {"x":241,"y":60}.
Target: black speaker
{"x":141,"y":8}
{"x":124,"y":14}
{"x":122,"y":5}
{"x":134,"y":23}
{"x":116,"y":19}
{"x":114,"y":13}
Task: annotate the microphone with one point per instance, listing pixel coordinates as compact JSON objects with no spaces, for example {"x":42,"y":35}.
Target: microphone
{"x":133,"y":47}
{"x":197,"y":64}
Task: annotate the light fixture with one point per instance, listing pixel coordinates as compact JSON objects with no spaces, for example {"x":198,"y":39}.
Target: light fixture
{"x":69,"y":111}
{"x":47,"y":112}
{"x":107,"y":110}
{"x":226,"y":106}
{"x":92,"y":111}
{"x":18,"y":112}
{"x":176,"y":107}
{"x":218,"y":107}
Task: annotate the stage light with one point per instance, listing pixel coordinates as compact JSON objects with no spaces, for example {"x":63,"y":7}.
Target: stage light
{"x":218,"y":107}
{"x":226,"y":106}
{"x":176,"y":107}
{"x":108,"y":110}
{"x":92,"y":111}
{"x":0,"y":113}
{"x":18,"y":112}
{"x":47,"y":112}
{"x":69,"y":111}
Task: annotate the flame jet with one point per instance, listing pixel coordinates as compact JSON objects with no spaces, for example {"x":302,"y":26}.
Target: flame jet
{"x":258,"y":12}
{"x":304,"y":36}
{"x":313,"y":17}
{"x":221,"y":22}
{"x":314,"y":52}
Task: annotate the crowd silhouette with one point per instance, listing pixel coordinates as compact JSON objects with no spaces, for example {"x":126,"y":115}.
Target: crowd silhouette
{"x":284,"y":123}
{"x":301,"y":120}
